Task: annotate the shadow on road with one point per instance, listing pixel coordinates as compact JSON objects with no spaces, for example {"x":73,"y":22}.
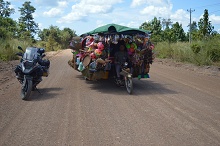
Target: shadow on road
{"x":140,"y":87}
{"x":45,"y":94}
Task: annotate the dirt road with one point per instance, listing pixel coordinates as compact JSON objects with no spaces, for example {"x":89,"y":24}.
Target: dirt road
{"x":174,"y":107}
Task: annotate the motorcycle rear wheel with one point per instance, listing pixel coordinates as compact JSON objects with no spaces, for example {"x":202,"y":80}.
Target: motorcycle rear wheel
{"x":26,"y":89}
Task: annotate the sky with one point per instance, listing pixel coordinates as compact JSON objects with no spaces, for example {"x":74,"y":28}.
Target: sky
{"x":85,"y":15}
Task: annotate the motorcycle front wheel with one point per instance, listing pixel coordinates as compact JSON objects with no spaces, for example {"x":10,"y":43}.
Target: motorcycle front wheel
{"x":26,"y":89}
{"x":129,"y":85}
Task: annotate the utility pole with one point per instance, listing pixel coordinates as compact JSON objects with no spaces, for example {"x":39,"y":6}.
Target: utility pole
{"x":190,"y":25}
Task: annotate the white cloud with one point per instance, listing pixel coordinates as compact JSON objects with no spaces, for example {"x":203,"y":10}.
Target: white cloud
{"x":99,"y":23}
{"x":62,"y":4}
{"x":53,"y":12}
{"x":86,"y":8}
{"x":51,"y":3}
{"x":136,"y":3}
{"x":214,"y":19}
{"x":157,"y":11}
{"x":133,"y":24}
{"x":56,"y":11}
{"x":40,"y":25}
{"x":12,"y":6}
{"x":180,"y":16}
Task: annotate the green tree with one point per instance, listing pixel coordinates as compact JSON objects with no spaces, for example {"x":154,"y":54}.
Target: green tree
{"x":155,"y":27}
{"x":194,"y":26}
{"x":51,"y":44}
{"x":54,"y":34}
{"x":166,"y":23}
{"x":70,"y":31}
{"x":43,"y":34}
{"x":169,"y":35}
{"x":178,"y":32}
{"x":205,"y":26}
{"x":26,"y":21}
{"x":195,"y":31}
{"x":5,"y":10}
{"x":7,"y":27}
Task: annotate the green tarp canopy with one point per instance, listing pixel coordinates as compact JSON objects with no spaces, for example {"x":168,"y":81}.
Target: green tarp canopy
{"x":116,"y":29}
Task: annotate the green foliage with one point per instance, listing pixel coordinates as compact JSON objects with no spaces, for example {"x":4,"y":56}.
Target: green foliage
{"x":178,"y":32}
{"x":5,"y":10}
{"x":9,"y":47}
{"x":52,"y":44}
{"x":7,"y":27}
{"x":41,"y":44}
{"x":169,"y":35}
{"x":213,"y":49}
{"x":200,"y":53}
{"x":196,"y":48}
{"x":26,"y":21}
{"x":214,"y":54}
{"x":205,"y":26}
{"x":164,"y":50}
{"x":155,"y":27}
{"x":56,"y":38}
{"x":13,"y":34}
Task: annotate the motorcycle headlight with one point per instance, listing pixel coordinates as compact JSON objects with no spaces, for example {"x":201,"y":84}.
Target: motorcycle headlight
{"x":28,"y":64}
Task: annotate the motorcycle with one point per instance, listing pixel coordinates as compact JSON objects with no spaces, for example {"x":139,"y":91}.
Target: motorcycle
{"x":127,"y":77}
{"x":31,"y":69}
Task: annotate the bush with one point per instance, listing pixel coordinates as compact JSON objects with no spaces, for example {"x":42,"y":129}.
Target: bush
{"x":196,"y":48}
{"x":8,"y":48}
{"x":199,"y":53}
{"x":164,"y":50}
{"x":7,"y":53}
{"x":213,"y":49}
{"x":214,"y":54}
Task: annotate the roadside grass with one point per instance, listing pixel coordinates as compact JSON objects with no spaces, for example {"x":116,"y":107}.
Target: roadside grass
{"x":8,"y":48}
{"x":200,"y":53}
{"x":205,"y":52}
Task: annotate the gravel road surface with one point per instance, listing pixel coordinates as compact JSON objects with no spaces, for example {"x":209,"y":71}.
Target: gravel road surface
{"x":174,"y":107}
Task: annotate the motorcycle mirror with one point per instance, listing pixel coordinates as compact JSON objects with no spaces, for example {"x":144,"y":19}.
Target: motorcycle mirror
{"x":19,"y":47}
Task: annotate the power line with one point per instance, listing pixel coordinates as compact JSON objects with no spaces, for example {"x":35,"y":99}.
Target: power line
{"x":214,"y":11}
{"x":207,"y":5}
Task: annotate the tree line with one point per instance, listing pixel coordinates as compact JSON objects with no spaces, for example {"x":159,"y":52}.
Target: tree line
{"x":26,"y":29}
{"x":166,"y":31}
{"x":166,"y":35}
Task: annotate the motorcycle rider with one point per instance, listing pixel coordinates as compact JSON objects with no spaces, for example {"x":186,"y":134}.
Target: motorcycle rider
{"x":120,"y":57}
